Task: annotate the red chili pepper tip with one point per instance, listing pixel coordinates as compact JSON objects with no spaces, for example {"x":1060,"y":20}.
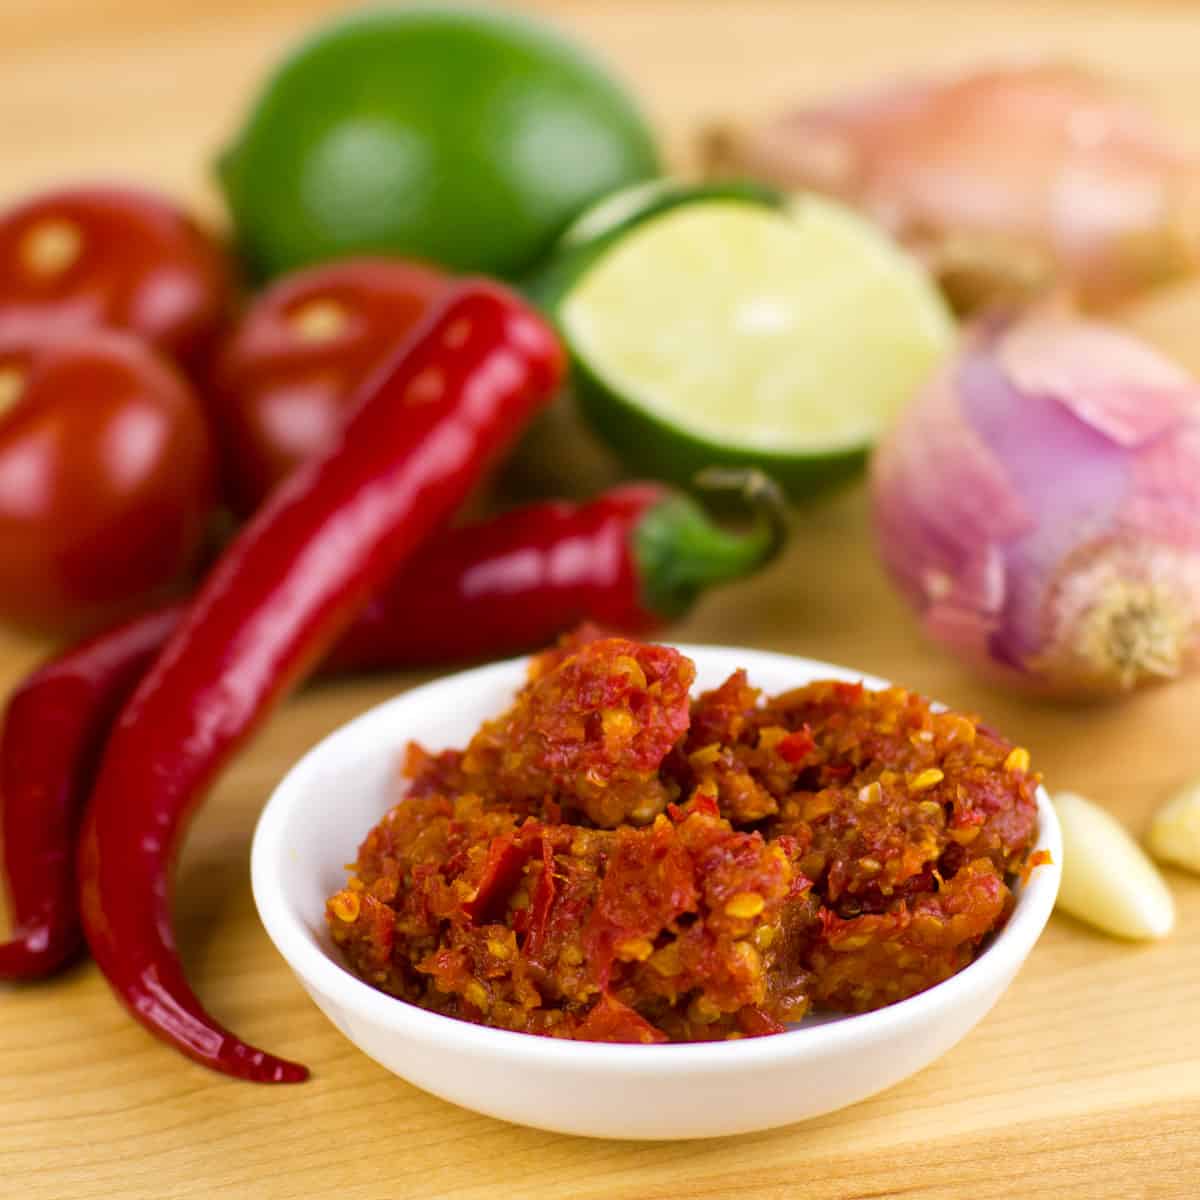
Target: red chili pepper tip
{"x":55,"y":727}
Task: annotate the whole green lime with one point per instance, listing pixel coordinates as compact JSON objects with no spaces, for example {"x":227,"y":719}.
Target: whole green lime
{"x":468,"y":137}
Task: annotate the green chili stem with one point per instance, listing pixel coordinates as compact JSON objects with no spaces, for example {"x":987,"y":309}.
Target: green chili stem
{"x":680,"y":550}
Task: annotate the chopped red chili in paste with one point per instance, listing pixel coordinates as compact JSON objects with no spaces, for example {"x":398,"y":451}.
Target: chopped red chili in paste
{"x":610,"y":860}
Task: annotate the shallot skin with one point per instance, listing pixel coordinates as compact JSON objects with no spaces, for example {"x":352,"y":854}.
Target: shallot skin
{"x":1038,"y":504}
{"x":1007,"y":180}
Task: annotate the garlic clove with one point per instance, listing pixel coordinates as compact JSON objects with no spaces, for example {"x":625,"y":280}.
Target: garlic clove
{"x":1107,"y":879}
{"x":1174,"y":834}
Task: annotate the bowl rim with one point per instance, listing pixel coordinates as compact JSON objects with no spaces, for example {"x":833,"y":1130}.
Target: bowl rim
{"x":319,"y":971}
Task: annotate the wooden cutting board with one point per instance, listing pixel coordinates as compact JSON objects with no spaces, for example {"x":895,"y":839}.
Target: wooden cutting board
{"x":1083,"y":1083}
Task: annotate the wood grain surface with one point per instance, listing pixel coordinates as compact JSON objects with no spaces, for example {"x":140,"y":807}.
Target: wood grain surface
{"x":1083,"y":1083}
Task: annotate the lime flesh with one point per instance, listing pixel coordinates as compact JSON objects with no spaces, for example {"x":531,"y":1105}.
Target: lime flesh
{"x":723,"y":331}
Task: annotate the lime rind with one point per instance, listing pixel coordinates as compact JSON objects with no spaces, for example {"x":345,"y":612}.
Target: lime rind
{"x":659,"y":450}
{"x":611,"y":218}
{"x":630,"y":206}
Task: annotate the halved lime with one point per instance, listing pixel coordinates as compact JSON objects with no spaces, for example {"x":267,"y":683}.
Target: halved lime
{"x":734,"y":331}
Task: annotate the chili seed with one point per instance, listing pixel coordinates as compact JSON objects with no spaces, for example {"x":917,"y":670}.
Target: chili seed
{"x":346,"y":906}
{"x":1017,"y":760}
{"x":745,"y":905}
{"x":871,"y":794}
{"x":618,"y":723}
{"x":632,"y":670}
{"x":965,"y":835}
{"x":928,"y":778}
{"x":666,"y":961}
{"x":635,"y":949}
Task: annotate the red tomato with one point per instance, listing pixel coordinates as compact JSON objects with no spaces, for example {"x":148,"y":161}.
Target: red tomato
{"x":285,"y":375}
{"x":107,"y":477}
{"x":84,"y":257}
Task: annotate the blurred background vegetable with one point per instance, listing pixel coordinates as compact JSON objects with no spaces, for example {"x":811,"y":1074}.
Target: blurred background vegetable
{"x":107,"y":476}
{"x":1007,"y":180}
{"x":281,"y":383}
{"x":469,"y":137}
{"x":119,"y":257}
{"x":1039,"y":506}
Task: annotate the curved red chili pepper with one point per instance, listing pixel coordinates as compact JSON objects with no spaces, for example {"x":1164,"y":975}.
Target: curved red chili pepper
{"x":55,"y":727}
{"x":423,"y":430}
{"x":633,"y":559}
{"x":505,"y":584}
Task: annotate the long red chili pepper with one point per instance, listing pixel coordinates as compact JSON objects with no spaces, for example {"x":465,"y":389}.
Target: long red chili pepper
{"x":630,"y":559}
{"x":423,"y":430}
{"x":55,"y":727}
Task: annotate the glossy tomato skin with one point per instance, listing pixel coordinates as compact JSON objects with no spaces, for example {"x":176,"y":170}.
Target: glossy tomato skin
{"x":287,"y":371}
{"x":121,"y":258}
{"x":107,"y":478}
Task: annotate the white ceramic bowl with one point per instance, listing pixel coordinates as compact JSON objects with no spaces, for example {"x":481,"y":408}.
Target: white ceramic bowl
{"x":322,"y":809}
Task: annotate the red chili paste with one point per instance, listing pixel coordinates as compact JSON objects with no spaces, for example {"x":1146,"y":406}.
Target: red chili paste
{"x":609,"y":860}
